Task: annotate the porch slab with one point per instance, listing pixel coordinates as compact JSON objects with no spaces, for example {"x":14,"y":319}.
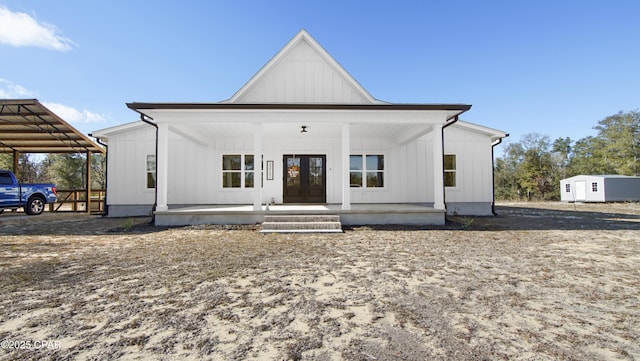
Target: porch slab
{"x":359,"y":214}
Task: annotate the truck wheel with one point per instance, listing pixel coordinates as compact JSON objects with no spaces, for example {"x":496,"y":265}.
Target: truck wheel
{"x":34,"y":206}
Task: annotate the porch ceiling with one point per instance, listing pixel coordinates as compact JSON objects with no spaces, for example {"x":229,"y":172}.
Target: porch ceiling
{"x":202,"y":122}
{"x":203,"y":133}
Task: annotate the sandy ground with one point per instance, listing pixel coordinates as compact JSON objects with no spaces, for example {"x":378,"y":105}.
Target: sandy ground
{"x":542,"y":281}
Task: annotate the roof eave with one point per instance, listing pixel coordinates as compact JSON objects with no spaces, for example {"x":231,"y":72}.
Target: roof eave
{"x":139,"y":106}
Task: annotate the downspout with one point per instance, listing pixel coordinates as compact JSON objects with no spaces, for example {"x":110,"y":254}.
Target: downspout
{"x":147,"y":119}
{"x":105,"y":206}
{"x":444,"y":188}
{"x":493,"y":175}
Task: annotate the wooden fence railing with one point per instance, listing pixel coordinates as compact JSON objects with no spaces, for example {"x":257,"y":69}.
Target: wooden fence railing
{"x":75,"y":200}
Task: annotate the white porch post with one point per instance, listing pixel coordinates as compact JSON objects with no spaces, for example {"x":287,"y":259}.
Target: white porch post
{"x":346,"y":151}
{"x":162,"y":163}
{"x":438,"y":181}
{"x":257,"y":166}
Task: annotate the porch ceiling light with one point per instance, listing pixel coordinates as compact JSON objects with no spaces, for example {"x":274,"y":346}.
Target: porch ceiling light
{"x":304,"y":129}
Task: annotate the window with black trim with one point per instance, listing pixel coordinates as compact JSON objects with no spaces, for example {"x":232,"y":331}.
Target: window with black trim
{"x":449,"y":170}
{"x":237,"y":171}
{"x":567,"y":188}
{"x":366,"y":170}
{"x":594,"y":187}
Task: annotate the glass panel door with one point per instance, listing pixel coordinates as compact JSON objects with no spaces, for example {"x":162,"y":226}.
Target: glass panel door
{"x":305,"y":179}
{"x":292,"y":176}
{"x":316,"y":177}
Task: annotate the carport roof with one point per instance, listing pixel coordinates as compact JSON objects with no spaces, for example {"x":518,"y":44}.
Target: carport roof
{"x":27,"y":126}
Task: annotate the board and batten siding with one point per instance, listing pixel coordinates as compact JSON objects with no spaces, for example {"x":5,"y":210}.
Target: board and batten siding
{"x":474,"y":178}
{"x":195,"y":177}
{"x":127,"y":183}
{"x":190,"y":178}
{"x":406,"y":175}
{"x":302,"y":76}
{"x":127,"y":177}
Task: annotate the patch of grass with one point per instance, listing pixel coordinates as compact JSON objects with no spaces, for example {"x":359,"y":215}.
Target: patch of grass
{"x":467,"y":222}
{"x":126,"y":225}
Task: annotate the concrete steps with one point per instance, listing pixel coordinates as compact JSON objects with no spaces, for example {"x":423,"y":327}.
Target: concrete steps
{"x":301,"y":224}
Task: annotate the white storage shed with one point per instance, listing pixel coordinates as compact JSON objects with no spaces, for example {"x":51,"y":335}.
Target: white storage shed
{"x":600,"y":188}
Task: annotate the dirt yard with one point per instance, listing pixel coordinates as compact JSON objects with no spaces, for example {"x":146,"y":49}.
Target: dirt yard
{"x":541,"y":281}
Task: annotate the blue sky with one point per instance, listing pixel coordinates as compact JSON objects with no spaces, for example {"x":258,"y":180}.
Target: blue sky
{"x":551,"y":67}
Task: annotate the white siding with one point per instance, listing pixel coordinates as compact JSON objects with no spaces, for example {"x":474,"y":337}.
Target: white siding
{"x":302,"y":76}
{"x":407,"y":175}
{"x":589,"y":195}
{"x":474,"y":177}
{"x":190,"y":178}
{"x":127,"y":183}
{"x":195,"y":169}
{"x":127,"y":178}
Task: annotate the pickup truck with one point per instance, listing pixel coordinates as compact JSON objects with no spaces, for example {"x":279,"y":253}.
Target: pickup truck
{"x":31,"y":197}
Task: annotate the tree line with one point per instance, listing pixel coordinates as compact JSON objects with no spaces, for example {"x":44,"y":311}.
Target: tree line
{"x":67,"y":171}
{"x":532,"y":168}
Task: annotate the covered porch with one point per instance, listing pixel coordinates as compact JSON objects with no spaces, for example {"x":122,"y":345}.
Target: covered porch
{"x":358,"y":214}
{"x":331,"y":132}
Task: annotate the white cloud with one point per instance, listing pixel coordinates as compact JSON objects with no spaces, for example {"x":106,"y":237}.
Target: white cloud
{"x":20,"y":29}
{"x":9,"y":89}
{"x":73,"y":115}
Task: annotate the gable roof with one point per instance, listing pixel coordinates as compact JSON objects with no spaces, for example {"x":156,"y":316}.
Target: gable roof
{"x":303,"y":72}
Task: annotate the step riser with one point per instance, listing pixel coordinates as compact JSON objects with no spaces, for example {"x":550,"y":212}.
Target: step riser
{"x":303,"y":225}
{"x":287,"y":223}
{"x":301,"y":231}
{"x":319,"y":218}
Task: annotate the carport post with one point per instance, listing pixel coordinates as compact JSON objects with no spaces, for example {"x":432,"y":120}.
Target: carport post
{"x":16,"y":155}
{"x":88,"y":179}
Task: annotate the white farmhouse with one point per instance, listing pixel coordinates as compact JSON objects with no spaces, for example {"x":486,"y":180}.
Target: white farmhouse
{"x":600,"y":188}
{"x":301,"y":136}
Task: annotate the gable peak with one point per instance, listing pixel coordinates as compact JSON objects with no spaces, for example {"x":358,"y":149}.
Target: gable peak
{"x":302,"y":72}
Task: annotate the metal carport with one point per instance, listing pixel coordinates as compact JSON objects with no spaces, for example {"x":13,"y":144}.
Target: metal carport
{"x":27,"y":126}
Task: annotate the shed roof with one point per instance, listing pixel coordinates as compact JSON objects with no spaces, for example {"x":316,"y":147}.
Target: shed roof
{"x":601,"y":176}
{"x":27,"y":126}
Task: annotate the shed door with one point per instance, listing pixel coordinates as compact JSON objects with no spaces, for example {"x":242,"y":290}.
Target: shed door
{"x":581,"y":190}
{"x":305,"y":179}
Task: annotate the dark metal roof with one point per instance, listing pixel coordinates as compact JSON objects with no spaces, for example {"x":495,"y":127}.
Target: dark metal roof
{"x":302,"y":106}
{"x":27,"y":126}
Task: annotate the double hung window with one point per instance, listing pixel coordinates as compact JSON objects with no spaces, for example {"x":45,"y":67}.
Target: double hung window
{"x":151,"y":171}
{"x":449,"y":170}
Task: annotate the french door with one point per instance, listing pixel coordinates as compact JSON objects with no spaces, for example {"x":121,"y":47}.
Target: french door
{"x":305,"y":179}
